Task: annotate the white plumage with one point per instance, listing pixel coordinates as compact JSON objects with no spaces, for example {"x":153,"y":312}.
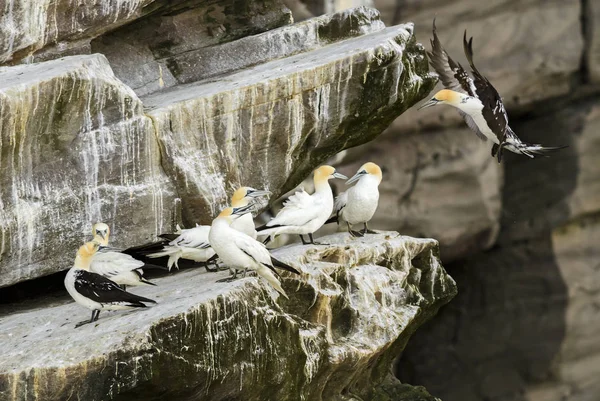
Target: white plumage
{"x":191,"y":244}
{"x":240,"y":251}
{"x":303,"y":213}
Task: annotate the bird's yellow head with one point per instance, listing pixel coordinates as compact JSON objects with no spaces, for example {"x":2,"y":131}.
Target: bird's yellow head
{"x":370,"y":169}
{"x":232,"y":213}
{"x":325,"y":173}
{"x":85,"y":254}
{"x":243,"y":195}
{"x":444,"y":96}
{"x":101,"y":232}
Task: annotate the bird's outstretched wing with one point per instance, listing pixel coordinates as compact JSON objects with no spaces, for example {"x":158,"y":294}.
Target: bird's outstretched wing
{"x":110,"y":262}
{"x":452,"y":74}
{"x":101,"y":289}
{"x":493,"y":111}
{"x":298,"y":210}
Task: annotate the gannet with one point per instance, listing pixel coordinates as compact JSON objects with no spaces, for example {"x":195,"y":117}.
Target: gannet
{"x":242,"y":252}
{"x":193,"y":244}
{"x":95,"y":291}
{"x":112,"y":263}
{"x":190,"y":243}
{"x":478,"y":101}
{"x":303,"y":213}
{"x":358,"y":204}
{"x":242,"y":197}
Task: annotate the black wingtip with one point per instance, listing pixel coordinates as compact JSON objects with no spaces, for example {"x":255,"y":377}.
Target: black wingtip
{"x":332,"y":219}
{"x":284,"y":266}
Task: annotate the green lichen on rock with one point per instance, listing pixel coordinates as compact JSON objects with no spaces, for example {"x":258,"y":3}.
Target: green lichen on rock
{"x":349,"y":316}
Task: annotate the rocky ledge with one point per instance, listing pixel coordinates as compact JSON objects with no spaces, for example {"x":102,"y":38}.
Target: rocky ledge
{"x":349,"y":316}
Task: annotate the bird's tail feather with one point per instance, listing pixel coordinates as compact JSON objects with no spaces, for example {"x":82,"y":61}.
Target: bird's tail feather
{"x":535,"y":150}
{"x":332,"y":219}
{"x":284,"y":266}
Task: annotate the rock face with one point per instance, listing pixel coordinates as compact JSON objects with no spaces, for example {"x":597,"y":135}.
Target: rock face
{"x":75,"y":148}
{"x":78,"y":145}
{"x":349,"y":315}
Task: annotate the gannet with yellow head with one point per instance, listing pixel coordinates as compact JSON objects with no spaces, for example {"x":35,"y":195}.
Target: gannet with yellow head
{"x":95,"y":291}
{"x":303,"y":213}
{"x":242,"y":252}
{"x":477,"y":100}
{"x":358,"y":204}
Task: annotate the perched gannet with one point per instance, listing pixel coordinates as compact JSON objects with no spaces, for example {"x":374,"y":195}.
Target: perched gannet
{"x":112,"y":263}
{"x":303,"y":213}
{"x":193,"y":244}
{"x":358,"y":204}
{"x":242,"y":252}
{"x":190,"y":243}
{"x":242,"y":197}
{"x":478,"y":101}
{"x":95,"y":291}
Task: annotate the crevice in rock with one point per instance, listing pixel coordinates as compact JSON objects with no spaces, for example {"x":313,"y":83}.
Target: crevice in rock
{"x":586,"y":32}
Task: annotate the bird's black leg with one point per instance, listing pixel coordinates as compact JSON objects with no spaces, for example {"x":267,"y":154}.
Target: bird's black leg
{"x":494,"y":150}
{"x":232,"y":277}
{"x":92,"y":320}
{"x":304,"y":242}
{"x":367,"y":231}
{"x":123,"y":287}
{"x":352,"y":232}
{"x":312,"y":241}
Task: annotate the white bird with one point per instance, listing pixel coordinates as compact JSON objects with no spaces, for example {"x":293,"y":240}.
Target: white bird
{"x":95,"y":291}
{"x":113,"y":263}
{"x":478,"y":102}
{"x":303,"y":213}
{"x":358,"y":204}
{"x":193,"y":243}
{"x":243,"y":196}
{"x":242,"y":252}
{"x":190,"y":243}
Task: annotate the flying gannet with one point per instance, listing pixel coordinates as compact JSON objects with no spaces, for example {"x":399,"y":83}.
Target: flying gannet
{"x":478,"y":102}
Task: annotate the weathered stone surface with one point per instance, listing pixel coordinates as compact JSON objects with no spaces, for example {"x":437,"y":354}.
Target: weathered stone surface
{"x":440,"y":184}
{"x":258,"y":125}
{"x":591,"y":20}
{"x":352,"y":311}
{"x":154,"y":52}
{"x":266,"y":126}
{"x":27,"y":26}
{"x":75,"y":148}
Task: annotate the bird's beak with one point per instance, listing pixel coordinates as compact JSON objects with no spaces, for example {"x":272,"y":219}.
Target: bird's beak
{"x":431,"y":102}
{"x":355,"y":178}
{"x":101,"y":234}
{"x":242,"y":210}
{"x":256,"y":194}
{"x":340,"y":176}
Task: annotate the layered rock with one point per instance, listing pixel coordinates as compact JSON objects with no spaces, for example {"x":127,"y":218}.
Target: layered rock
{"x":77,"y":146}
{"x":349,"y":314}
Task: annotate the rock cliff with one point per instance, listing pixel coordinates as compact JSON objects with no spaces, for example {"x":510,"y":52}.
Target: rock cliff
{"x":351,"y":312}
{"x":175,"y":110}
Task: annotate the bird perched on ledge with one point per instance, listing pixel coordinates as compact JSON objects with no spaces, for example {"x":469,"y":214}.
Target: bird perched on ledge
{"x":478,"y":101}
{"x":95,"y":291}
{"x":113,"y":263}
{"x":242,"y":252}
{"x":303,"y":213}
{"x":358,"y":204}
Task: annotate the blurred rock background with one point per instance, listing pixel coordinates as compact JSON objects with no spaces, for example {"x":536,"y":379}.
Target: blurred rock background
{"x":522,"y":239}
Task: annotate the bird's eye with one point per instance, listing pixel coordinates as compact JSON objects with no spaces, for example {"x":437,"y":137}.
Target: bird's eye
{"x":363,"y":172}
